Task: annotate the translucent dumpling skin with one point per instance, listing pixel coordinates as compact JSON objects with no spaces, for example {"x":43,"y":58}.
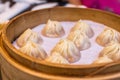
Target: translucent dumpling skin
{"x":112,"y":50}
{"x":68,"y":50}
{"x":28,"y":35}
{"x":107,"y":36}
{"x":80,"y":39}
{"x":53,"y":29}
{"x":57,"y":58}
{"x":34,"y":50}
{"x":83,"y":27}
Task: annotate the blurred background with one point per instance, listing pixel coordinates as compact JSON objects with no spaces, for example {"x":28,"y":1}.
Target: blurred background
{"x":12,"y":8}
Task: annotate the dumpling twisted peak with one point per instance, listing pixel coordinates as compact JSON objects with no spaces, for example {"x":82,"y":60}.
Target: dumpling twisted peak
{"x":80,"y":39}
{"x":67,"y":49}
{"x":107,"y":36}
{"x":29,"y":35}
{"x":53,"y":29}
{"x":34,"y":50}
{"x":112,"y":50}
{"x":83,"y":27}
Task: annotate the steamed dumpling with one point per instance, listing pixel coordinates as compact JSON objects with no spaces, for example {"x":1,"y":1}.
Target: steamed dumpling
{"x":57,"y":58}
{"x":103,"y":59}
{"x":83,"y":27}
{"x":68,"y":50}
{"x":28,"y":35}
{"x":112,"y":50}
{"x":34,"y":50}
{"x":107,"y":36}
{"x":53,"y":29}
{"x":80,"y":39}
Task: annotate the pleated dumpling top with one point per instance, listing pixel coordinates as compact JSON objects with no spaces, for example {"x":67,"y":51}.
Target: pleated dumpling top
{"x":67,"y":49}
{"x":53,"y":29}
{"x":80,"y":39}
{"x":112,"y":50}
{"x":107,"y":36}
{"x":34,"y":50}
{"x":83,"y":27}
{"x":29,"y":35}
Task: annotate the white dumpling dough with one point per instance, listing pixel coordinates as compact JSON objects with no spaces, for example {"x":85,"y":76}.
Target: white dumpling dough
{"x":68,"y":50}
{"x":34,"y":50}
{"x":107,"y":36}
{"x":56,"y":58}
{"x":112,"y":50}
{"x":53,"y":29}
{"x":83,"y":27}
{"x":29,"y":35}
{"x":80,"y":39}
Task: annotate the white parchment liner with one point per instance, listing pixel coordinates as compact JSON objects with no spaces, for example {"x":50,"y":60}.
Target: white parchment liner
{"x":88,"y":55}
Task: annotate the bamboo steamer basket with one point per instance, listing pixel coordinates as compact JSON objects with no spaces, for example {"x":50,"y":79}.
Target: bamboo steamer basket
{"x":1,"y":26}
{"x":12,"y":70}
{"x":30,"y":68}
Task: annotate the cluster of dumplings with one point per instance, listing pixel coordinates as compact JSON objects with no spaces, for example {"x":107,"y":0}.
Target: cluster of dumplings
{"x":110,"y":40}
{"x":30,"y":44}
{"x":67,"y":50}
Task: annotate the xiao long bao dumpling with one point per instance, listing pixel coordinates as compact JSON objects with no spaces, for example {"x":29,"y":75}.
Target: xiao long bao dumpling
{"x":34,"y":50}
{"x":112,"y":50}
{"x":53,"y":29}
{"x":80,"y":39}
{"x":56,"y":58}
{"x":107,"y":36}
{"x":103,"y":59}
{"x":29,"y":35}
{"x":83,"y":27}
{"x":68,"y":50}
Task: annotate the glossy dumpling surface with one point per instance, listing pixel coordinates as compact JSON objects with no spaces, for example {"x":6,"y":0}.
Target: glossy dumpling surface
{"x":53,"y":29}
{"x":34,"y":50}
{"x":80,"y":39}
{"x":29,"y":35}
{"x":112,"y":50}
{"x":107,"y":36}
{"x":83,"y":27}
{"x":68,"y":50}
